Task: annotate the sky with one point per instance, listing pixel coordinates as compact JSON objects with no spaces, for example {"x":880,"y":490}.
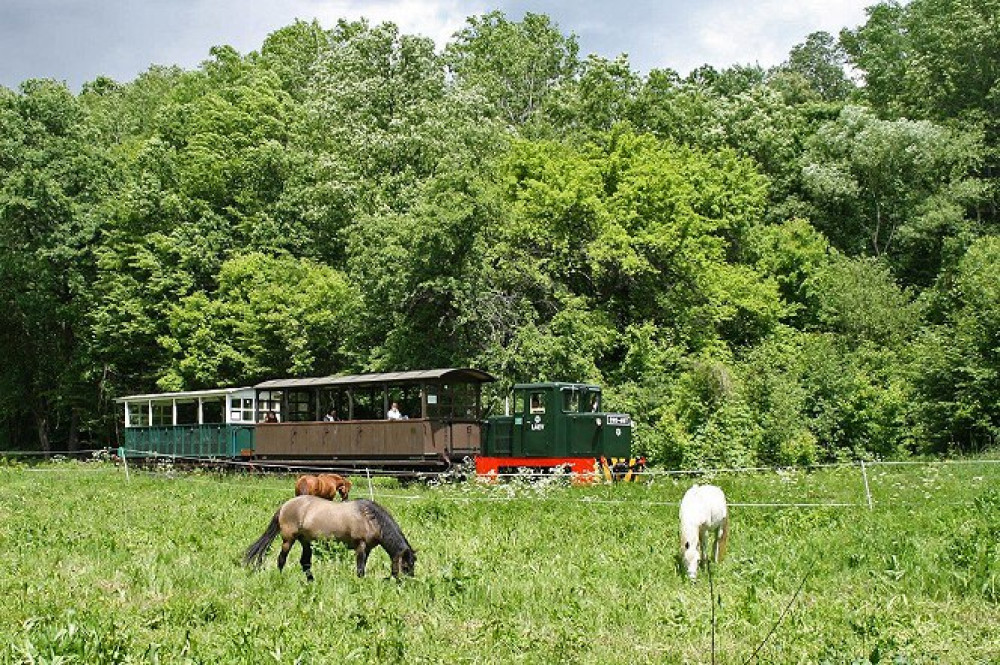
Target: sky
{"x":78,"y":40}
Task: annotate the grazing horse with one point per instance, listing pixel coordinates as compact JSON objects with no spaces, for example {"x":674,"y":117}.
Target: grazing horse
{"x":359,"y":524}
{"x":703,"y":512}
{"x":325,"y":485}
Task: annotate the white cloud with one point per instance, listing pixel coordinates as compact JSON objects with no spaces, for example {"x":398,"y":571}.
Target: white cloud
{"x":437,"y":19}
{"x":764,"y":32}
{"x":77,"y":40}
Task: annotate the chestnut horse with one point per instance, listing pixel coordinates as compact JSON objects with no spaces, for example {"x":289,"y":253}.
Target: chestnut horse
{"x":703,"y":512}
{"x":324,"y":485}
{"x":361,"y":525}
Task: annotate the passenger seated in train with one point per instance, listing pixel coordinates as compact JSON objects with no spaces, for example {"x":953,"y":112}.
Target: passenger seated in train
{"x":269,"y":417}
{"x":394,"y":413}
{"x":331,"y":416}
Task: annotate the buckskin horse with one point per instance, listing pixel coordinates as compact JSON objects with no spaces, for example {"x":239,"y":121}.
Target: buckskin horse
{"x":703,"y":513}
{"x":325,"y":485}
{"x":361,"y":525}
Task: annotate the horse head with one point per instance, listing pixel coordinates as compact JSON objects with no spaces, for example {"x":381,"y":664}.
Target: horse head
{"x":404,"y":563}
{"x":691,"y":553}
{"x":344,"y":488}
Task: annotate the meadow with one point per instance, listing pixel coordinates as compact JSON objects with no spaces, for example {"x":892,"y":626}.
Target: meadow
{"x":103,"y":567}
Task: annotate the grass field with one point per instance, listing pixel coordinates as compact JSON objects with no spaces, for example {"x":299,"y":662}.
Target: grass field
{"x":100,"y":568}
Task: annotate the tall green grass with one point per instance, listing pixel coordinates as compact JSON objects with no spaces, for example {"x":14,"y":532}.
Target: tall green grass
{"x":98,"y":568}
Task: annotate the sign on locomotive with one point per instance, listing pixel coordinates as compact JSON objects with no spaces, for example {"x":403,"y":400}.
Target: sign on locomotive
{"x":408,"y":420}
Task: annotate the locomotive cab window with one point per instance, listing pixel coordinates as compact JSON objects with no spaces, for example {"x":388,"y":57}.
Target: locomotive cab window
{"x":593,"y":401}
{"x":537,"y":402}
{"x":571,"y":400}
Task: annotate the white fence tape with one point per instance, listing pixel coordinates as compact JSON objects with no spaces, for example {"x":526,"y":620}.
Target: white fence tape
{"x":649,"y":475}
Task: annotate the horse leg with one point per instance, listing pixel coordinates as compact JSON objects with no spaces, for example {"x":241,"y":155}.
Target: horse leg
{"x":721,"y":540}
{"x":306,"y":560}
{"x":362,"y":557}
{"x":283,"y":555}
{"x":397,"y":565}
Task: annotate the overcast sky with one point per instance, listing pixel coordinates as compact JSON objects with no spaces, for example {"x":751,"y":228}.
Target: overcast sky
{"x":77,"y":40}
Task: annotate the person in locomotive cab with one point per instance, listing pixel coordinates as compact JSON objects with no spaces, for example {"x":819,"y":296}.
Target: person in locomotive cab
{"x":394,"y":413}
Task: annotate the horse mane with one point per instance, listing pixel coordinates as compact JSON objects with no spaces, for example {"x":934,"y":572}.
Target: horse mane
{"x":392,"y":537}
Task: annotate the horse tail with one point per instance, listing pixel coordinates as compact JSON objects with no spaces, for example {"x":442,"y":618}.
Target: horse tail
{"x":391,"y":535}
{"x":255,"y":553}
{"x":723,"y":538}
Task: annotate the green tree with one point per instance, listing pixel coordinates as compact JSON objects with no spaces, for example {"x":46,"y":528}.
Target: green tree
{"x":894,"y":188}
{"x":931,"y":59}
{"x":821,"y":397}
{"x":269,"y":316}
{"x":514,"y":65}
{"x":956,"y":364}
{"x":820,"y":63}
{"x":791,"y":253}
{"x":293,"y":52}
{"x":203,"y":181}
{"x":52,"y":173}
{"x":601,"y":97}
{"x":859,"y":299}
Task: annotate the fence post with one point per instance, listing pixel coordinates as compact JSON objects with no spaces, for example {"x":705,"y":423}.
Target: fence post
{"x":868,"y":492}
{"x":371,"y":490}
{"x":121,"y":453}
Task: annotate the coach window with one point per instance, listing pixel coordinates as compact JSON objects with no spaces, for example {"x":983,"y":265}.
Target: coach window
{"x":432,"y":400}
{"x":163,"y":414}
{"x":446,"y":400}
{"x":138,"y":414}
{"x":537,"y":402}
{"x":212,"y":409}
{"x":269,"y":401}
{"x":240,"y":409}
{"x":465,"y":400}
{"x":367,"y":403}
{"x":410,"y":402}
{"x":300,"y":406}
{"x":336,"y":399}
{"x":187,"y":412}
{"x":408,"y":399}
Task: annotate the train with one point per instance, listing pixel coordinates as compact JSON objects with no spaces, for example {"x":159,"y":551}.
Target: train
{"x":343,"y":422}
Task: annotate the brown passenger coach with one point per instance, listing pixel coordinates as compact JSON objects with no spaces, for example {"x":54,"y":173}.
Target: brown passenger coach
{"x":437,"y":418}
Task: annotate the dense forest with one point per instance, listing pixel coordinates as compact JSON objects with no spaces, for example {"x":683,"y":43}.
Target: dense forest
{"x":762,"y":266}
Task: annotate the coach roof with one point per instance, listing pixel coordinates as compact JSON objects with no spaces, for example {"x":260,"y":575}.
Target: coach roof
{"x":464,"y":375}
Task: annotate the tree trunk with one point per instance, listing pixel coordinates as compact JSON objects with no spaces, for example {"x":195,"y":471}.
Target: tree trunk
{"x":73,"y":442}
{"x":42,"y":425}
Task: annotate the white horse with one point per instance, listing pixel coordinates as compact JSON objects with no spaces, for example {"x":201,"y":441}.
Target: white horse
{"x":703,"y":511}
